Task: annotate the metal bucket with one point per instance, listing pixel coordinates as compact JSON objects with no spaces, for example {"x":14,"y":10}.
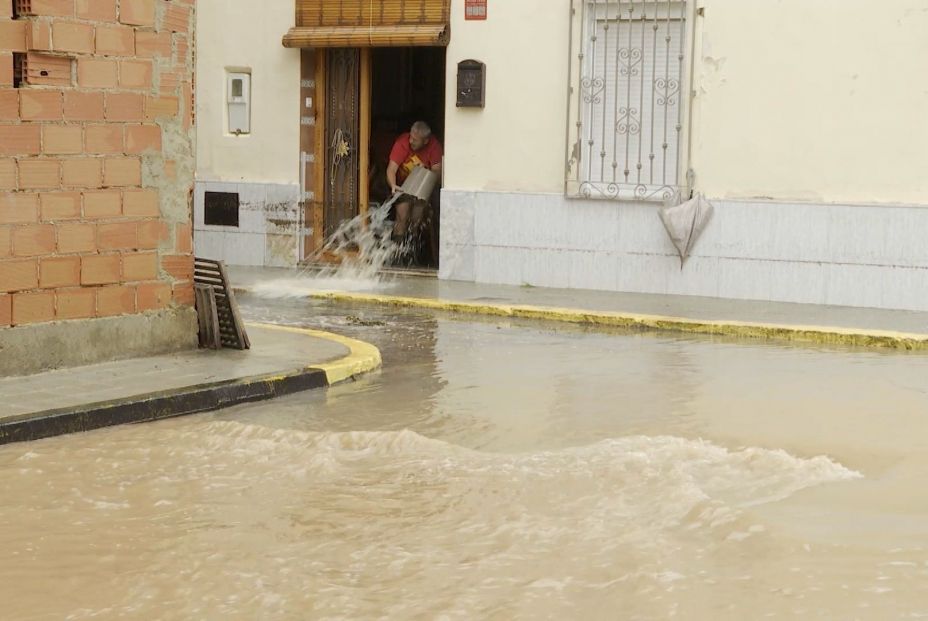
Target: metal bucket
{"x":420,"y":183}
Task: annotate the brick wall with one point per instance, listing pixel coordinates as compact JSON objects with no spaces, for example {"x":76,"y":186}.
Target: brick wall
{"x":96,"y":159}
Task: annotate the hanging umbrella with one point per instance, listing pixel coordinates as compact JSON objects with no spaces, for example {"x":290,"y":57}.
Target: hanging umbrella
{"x":685,"y":222}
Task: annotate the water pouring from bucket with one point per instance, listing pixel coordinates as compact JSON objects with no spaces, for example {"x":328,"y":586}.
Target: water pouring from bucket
{"x":361,"y":247}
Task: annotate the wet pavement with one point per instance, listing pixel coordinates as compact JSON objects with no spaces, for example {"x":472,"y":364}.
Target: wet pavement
{"x":496,"y":469}
{"x":690,"y":308}
{"x":152,"y":387}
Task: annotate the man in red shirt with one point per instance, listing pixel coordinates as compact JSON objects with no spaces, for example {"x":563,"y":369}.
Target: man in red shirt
{"x":417,"y":147}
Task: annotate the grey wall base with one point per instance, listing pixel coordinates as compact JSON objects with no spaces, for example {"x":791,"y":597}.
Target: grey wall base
{"x":41,"y":347}
{"x":872,"y":256}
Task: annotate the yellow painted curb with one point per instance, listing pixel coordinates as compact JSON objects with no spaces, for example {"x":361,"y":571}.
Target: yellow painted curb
{"x":363,"y":357}
{"x":830,"y":335}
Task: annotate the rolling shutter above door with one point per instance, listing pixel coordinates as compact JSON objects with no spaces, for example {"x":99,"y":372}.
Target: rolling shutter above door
{"x":367,"y":23}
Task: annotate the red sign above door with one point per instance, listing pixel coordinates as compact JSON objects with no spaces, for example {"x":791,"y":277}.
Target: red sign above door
{"x":475,"y":9}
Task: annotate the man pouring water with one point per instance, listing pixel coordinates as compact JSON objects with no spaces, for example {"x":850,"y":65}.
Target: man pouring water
{"x":417,"y":147}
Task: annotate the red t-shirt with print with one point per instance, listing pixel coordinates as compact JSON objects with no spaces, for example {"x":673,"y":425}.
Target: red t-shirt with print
{"x":407,"y":159}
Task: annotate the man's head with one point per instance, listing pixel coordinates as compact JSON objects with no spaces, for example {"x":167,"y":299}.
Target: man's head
{"x":419,"y":135}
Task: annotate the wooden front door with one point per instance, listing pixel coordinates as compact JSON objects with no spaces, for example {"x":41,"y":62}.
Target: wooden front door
{"x":342,"y":138}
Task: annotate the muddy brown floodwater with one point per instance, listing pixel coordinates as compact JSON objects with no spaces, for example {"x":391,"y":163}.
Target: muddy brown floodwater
{"x":495,"y":470}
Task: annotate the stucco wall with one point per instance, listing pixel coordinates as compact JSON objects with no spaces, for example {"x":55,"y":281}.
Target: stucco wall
{"x":235,"y":35}
{"x":816,"y":101}
{"x":516,"y":141}
{"x":795,"y":100}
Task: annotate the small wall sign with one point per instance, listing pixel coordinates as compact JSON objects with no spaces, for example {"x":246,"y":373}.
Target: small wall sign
{"x":475,"y":9}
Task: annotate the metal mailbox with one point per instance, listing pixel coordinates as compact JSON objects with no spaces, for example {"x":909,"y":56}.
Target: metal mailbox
{"x":472,"y":80}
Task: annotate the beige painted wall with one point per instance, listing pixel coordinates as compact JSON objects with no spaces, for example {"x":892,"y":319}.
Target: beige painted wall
{"x":233,"y":34}
{"x":822,"y":101}
{"x":517,"y":141}
{"x":796,"y":100}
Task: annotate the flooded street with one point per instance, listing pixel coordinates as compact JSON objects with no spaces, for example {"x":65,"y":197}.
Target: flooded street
{"x":495,"y":469}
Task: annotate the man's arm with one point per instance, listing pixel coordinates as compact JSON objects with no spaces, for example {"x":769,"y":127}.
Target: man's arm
{"x":392,"y":167}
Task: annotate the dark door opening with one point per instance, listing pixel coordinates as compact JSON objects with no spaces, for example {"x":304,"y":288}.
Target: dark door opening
{"x":407,"y":85}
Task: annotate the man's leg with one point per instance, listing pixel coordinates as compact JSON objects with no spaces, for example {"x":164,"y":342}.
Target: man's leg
{"x":401,"y":225}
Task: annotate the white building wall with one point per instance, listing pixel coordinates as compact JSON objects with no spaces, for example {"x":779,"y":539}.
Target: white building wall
{"x":264,"y":165}
{"x":808,"y":137}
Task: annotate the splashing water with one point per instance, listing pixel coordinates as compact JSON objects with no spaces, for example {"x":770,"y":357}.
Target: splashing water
{"x":361,"y":247}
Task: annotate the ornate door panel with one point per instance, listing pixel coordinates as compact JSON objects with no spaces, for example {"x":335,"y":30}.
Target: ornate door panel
{"x":342,"y":136}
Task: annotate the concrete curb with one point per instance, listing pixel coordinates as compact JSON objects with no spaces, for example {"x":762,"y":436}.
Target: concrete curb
{"x":197,"y":398}
{"x":828,"y":335}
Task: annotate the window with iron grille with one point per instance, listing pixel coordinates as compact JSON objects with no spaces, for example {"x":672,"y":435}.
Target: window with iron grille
{"x":627,"y":100}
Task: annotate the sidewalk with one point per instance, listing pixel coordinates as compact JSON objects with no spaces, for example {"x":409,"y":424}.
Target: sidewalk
{"x":745,"y":318}
{"x":281,"y":360}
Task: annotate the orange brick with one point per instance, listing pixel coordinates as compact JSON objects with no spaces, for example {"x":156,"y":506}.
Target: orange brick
{"x":6,"y":309}
{"x":6,"y":241}
{"x":135,"y":74}
{"x":33,"y":307}
{"x":47,"y":70}
{"x":9,"y":105}
{"x":60,"y":206}
{"x":6,"y":10}
{"x":72,"y":37}
{"x":122,"y":171}
{"x":152,"y":233}
{"x":115,"y":41}
{"x":34,"y":240}
{"x":100,"y":269}
{"x":7,"y":174}
{"x":153,"y":295}
{"x":183,"y":294}
{"x":140,"y":266}
{"x":118,"y":236}
{"x":176,"y":18}
{"x":170,"y":169}
{"x":103,"y":204}
{"x":183,"y":238}
{"x":20,"y":139}
{"x":80,"y":106}
{"x":76,"y":303}
{"x":19,"y":275}
{"x":41,"y":105}
{"x":170,"y":80}
{"x":161,"y":107}
{"x":96,"y":72}
{"x":96,"y":10}
{"x":187,"y":104}
{"x":6,"y":69}
{"x":141,"y":138}
{"x":59,"y":8}
{"x":137,"y":12}
{"x":39,"y":36}
{"x":85,"y":172}
{"x":115,"y":300}
{"x":142,"y":203}
{"x":152,"y":44}
{"x":180,"y":266}
{"x":104,"y":139}
{"x":13,"y":35}
{"x":124,"y":106}
{"x":181,"y":48}
{"x":18,"y":208}
{"x":76,"y":238}
{"x":39,"y":174}
{"x":61,"y":139}
{"x":59,"y":272}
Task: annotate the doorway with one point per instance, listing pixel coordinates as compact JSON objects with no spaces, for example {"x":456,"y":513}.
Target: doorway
{"x":367,"y":98}
{"x":407,"y":85}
